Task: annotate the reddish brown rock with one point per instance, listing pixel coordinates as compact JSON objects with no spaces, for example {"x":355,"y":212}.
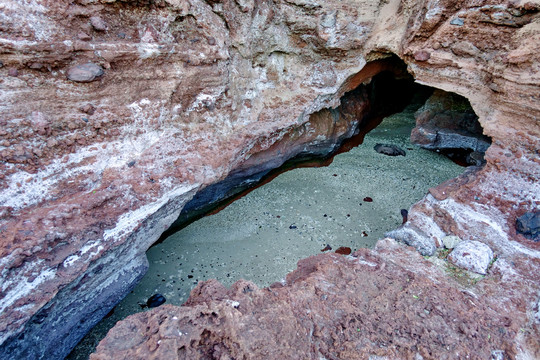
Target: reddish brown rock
{"x":372,"y":304}
{"x":75,"y":219}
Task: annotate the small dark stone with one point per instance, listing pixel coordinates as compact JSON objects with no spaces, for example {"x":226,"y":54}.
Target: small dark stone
{"x":121,"y":35}
{"x":364,"y":234}
{"x":389,"y":149}
{"x":155,"y":301}
{"x":344,"y":250}
{"x":85,"y":120}
{"x":1,"y":64}
{"x":334,"y":175}
{"x":405,"y":215}
{"x":529,"y":225}
{"x":368,"y":199}
{"x":326,"y":248}
{"x":190,"y":276}
{"x":292,"y":227}
{"x":131,"y":163}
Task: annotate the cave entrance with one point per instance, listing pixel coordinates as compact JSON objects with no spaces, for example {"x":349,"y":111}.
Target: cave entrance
{"x":347,"y":196}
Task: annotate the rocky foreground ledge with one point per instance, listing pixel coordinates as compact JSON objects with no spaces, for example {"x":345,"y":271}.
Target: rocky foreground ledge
{"x":115,"y":114}
{"x":385,"y":303}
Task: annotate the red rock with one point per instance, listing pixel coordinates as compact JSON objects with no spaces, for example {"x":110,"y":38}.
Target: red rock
{"x":155,"y":110}
{"x":343,"y":250}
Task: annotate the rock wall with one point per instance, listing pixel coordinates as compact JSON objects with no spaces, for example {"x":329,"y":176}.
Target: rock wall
{"x":114,"y":114}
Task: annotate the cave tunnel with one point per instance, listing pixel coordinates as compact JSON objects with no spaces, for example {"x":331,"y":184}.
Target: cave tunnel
{"x":438,"y":121}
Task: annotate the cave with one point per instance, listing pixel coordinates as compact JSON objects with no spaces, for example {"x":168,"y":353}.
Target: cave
{"x":183,"y":250}
{"x":122,"y":122}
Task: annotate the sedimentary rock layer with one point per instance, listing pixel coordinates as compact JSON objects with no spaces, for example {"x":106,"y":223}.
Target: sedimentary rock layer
{"x":114,"y":114}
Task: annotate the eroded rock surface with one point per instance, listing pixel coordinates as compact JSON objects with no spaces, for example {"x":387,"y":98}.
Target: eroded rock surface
{"x":194,"y":92}
{"x":389,"y":302}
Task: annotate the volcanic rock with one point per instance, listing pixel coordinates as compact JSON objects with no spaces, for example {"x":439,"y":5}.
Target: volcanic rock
{"x":529,"y":225}
{"x":447,"y":122}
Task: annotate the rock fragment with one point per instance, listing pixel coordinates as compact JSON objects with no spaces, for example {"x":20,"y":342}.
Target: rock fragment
{"x":457,"y":22}
{"x":422,"y":55}
{"x":529,"y":225}
{"x":98,"y":23}
{"x":450,"y":241}
{"x":84,"y":72}
{"x":389,"y":149}
{"x":472,"y":255}
{"x":413,"y":236}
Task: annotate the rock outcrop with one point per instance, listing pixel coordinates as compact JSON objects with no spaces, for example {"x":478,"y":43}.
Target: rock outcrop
{"x":184,"y":94}
{"x":447,"y":122}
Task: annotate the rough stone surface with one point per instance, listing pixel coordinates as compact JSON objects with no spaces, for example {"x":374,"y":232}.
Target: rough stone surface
{"x":528,"y":224}
{"x":413,"y":236}
{"x":84,"y":73}
{"x":472,"y":255}
{"x":450,"y":241}
{"x":447,"y":121}
{"x":198,"y":91}
{"x":389,"y":149}
{"x":387,"y":303}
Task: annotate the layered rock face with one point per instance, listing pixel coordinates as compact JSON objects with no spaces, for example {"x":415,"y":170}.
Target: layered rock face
{"x":115,"y":114}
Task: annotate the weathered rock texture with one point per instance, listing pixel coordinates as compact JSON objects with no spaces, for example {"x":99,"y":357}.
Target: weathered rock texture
{"x":193,"y":92}
{"x":447,"y":122}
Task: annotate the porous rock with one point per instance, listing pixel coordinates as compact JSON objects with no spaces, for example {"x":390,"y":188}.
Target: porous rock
{"x":413,"y":236}
{"x":472,"y":255}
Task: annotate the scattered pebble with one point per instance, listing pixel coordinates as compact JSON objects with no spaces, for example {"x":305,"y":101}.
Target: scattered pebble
{"x":326,"y":248}
{"x":368,"y":199}
{"x":389,"y":149}
{"x":344,"y":250}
